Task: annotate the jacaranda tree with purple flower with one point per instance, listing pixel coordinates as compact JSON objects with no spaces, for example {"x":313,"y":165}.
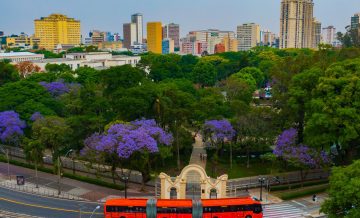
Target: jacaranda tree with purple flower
{"x":36,"y":116}
{"x":11,"y":127}
{"x":132,"y":142}
{"x":299,"y":155}
{"x":216,"y":133}
{"x":59,"y":87}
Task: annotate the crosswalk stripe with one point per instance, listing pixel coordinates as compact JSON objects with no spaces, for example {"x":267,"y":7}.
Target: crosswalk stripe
{"x":282,"y":211}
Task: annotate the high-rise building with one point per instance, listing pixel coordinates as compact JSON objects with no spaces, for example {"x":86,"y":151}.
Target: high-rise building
{"x":172,"y":31}
{"x":316,"y":33}
{"x":267,"y":38}
{"x":230,"y":44}
{"x":57,"y":29}
{"x":355,"y":21}
{"x":168,"y":46}
{"x":138,"y":20}
{"x":154,"y":37}
{"x":210,"y":37}
{"x":129,"y":30}
{"x":329,"y":35}
{"x":248,"y":36}
{"x":1,"y":33}
{"x":296,"y":23}
{"x":97,"y":37}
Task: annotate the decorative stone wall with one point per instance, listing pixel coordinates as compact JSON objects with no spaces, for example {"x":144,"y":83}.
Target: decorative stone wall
{"x":179,"y":183}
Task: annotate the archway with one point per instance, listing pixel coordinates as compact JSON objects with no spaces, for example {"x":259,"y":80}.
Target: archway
{"x":213,"y":194}
{"x":193,"y":186}
{"x":173,"y":193}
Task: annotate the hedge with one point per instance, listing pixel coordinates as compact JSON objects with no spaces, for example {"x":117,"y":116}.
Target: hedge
{"x":297,"y":185}
{"x":65,"y":174}
{"x":302,"y":192}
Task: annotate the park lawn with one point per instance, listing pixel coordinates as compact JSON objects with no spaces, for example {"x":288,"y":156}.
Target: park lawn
{"x":239,"y":169}
{"x":301,"y":192}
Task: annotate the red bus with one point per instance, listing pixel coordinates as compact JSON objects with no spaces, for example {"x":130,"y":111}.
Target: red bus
{"x":174,"y":209}
{"x":212,"y":208}
{"x":232,"y":208}
{"x":125,"y":208}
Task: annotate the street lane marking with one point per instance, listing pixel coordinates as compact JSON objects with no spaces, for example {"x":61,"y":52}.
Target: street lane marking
{"x":46,"y":207}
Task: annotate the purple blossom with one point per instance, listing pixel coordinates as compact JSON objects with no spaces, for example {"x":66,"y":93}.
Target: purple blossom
{"x":218,"y":130}
{"x":126,"y":139}
{"x":11,"y":126}
{"x":59,"y":87}
{"x":36,"y":116}
{"x":299,"y":154}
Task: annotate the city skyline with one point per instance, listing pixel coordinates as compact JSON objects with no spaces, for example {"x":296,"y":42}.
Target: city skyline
{"x":114,"y":14}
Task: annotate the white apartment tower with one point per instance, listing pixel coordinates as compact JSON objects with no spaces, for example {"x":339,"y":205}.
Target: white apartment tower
{"x":138,"y":20}
{"x":329,"y":35}
{"x":248,"y":36}
{"x":296,"y":24}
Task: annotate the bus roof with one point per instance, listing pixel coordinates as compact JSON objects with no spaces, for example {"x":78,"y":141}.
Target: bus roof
{"x":126,"y":202}
{"x":228,"y":202}
{"x":174,"y":203}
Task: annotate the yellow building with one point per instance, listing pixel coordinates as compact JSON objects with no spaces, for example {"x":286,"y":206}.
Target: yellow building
{"x":57,"y":29}
{"x":21,"y":41}
{"x":154,"y":37}
{"x":230,"y":44}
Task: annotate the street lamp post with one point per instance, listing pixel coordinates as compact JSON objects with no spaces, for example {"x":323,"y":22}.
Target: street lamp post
{"x":96,"y":208}
{"x":125,"y":179}
{"x":59,"y":169}
{"x":262,"y":181}
{"x":6,"y":152}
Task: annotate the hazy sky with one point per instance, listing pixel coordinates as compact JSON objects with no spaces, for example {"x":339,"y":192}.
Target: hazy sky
{"x":109,"y":15}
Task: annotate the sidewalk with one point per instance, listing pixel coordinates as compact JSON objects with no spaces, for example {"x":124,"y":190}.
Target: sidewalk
{"x":267,"y":197}
{"x":69,"y":187}
{"x":198,"y":148}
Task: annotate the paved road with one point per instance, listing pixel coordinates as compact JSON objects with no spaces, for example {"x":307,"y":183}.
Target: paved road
{"x":45,"y":207}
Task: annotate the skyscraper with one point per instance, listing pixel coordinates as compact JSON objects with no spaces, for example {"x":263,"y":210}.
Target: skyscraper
{"x":129,"y":30}
{"x":57,"y":29}
{"x":154,"y":37}
{"x":167,"y":46}
{"x":316,"y":33}
{"x":329,"y":35}
{"x":172,"y":31}
{"x":355,"y":21}
{"x":138,"y":20}
{"x":296,"y":23}
{"x":248,"y":36}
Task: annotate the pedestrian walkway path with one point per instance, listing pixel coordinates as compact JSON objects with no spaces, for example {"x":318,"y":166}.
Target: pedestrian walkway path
{"x":198,"y":151}
{"x":40,"y":190}
{"x":268,"y":198}
{"x":70,"y":189}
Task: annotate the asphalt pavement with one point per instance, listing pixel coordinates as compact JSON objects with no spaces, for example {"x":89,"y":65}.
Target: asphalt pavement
{"x":34,"y":205}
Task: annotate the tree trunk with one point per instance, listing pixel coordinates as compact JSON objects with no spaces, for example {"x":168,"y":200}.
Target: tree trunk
{"x":36,"y":175}
{"x":231,"y":156}
{"x":177,"y":147}
{"x":301,"y":125}
{"x":113,"y":169}
{"x":248,"y":157}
